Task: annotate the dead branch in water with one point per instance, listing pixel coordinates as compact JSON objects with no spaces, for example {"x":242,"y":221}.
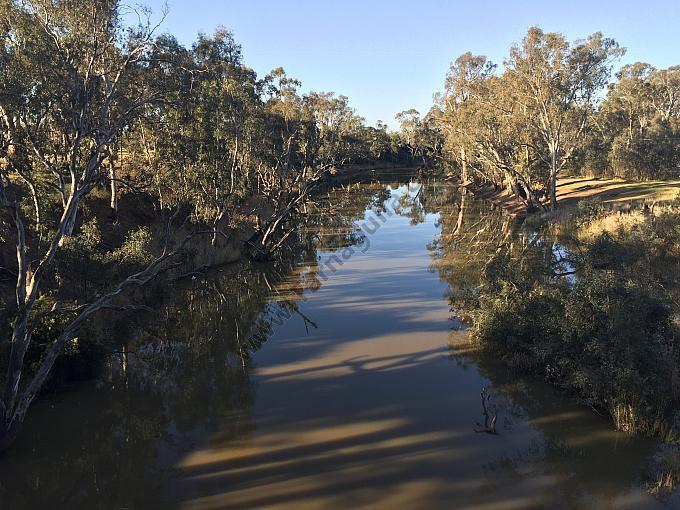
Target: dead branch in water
{"x":490,"y":413}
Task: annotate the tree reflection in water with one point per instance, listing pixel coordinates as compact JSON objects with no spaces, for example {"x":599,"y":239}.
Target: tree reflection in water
{"x":181,"y":382}
{"x":174,"y":379}
{"x":573,"y":445}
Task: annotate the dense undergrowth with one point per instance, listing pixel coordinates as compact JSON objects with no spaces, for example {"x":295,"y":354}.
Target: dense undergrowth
{"x":594,"y":313}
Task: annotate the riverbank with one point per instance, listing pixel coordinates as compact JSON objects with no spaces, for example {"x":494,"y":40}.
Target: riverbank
{"x":138,"y":211}
{"x":610,"y":278}
{"x":344,"y":379}
{"x":500,"y":197}
{"x":572,"y":190}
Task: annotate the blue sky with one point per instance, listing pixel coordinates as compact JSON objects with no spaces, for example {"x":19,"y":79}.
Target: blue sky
{"x":388,"y":56}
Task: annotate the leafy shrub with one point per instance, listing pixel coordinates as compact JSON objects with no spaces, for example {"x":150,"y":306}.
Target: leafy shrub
{"x":135,"y":248}
{"x":587,"y":211}
{"x":608,"y":336}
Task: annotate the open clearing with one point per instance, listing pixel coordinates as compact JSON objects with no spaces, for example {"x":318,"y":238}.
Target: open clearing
{"x":572,"y":190}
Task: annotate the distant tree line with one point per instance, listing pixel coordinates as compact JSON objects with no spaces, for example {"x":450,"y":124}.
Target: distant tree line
{"x":544,"y":113}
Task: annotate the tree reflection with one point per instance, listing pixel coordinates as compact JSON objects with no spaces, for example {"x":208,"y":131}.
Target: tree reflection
{"x":175,"y":378}
{"x":485,"y":259}
{"x":472,"y":231}
{"x":574,"y":448}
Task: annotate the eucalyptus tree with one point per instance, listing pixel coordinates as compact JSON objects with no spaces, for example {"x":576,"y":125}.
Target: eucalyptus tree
{"x":499,"y":141}
{"x":556,"y":84}
{"x":159,"y":146}
{"x":421,"y":134}
{"x":462,"y":97}
{"x":190,"y":149}
{"x":70,"y":88}
{"x":431,"y":138}
{"x":286,"y":118}
{"x":336,"y":129}
{"x":409,"y":121}
{"x":224,"y":99}
{"x":640,"y":122}
{"x":379,"y":146}
{"x":202,"y":142}
{"x":481,"y":120}
{"x":666,"y":97}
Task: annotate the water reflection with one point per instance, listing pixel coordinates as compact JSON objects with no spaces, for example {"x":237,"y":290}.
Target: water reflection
{"x":173,"y":379}
{"x":284,"y":386}
{"x":582,"y":460}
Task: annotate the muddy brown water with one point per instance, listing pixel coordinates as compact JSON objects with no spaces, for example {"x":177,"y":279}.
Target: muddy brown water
{"x":365,"y":393}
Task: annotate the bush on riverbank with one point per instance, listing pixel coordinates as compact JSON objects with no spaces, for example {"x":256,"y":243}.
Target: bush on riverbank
{"x":607,"y":333}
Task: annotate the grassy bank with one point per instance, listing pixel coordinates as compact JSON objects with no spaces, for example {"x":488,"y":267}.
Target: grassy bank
{"x":573,"y":190}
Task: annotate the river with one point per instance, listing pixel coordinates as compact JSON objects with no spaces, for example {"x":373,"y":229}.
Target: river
{"x":338,"y":378}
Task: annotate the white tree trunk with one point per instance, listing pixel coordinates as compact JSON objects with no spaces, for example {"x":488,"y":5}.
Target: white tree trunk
{"x":114,"y":187}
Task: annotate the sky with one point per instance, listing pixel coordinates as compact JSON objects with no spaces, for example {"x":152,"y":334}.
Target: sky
{"x":391,"y":55}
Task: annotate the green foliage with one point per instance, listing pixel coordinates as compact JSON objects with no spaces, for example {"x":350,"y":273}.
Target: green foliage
{"x":654,"y":156}
{"x":225,"y":134}
{"x":588,"y":210}
{"x":519,"y":127}
{"x":543,"y":113}
{"x":135,"y":249}
{"x":607,"y":336}
{"x":421,"y":136}
{"x":639,"y":125}
{"x":90,"y":235}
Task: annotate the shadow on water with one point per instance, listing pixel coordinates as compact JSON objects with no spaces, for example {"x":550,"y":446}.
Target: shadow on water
{"x":365,"y":394}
